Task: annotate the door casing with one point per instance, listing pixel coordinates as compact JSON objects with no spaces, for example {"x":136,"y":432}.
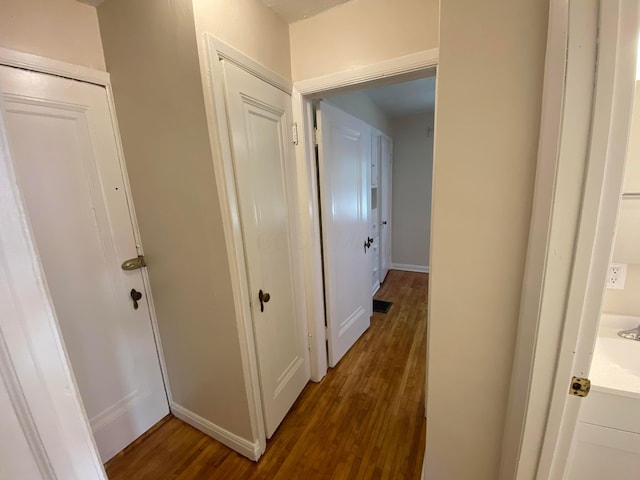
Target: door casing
{"x":563,"y":317}
{"x":410,"y":67}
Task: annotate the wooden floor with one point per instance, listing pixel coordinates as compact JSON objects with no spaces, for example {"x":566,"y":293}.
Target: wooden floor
{"x":365,"y":420}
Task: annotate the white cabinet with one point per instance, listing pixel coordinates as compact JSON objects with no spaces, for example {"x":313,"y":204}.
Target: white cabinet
{"x":600,"y":452}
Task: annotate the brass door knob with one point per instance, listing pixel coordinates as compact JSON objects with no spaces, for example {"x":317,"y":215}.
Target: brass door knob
{"x":264,"y":298}
{"x":135,"y":296}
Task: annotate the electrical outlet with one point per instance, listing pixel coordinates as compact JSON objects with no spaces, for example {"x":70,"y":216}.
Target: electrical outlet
{"x":617,"y":276}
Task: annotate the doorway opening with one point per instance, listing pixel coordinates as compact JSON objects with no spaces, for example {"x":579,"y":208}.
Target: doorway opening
{"x":396,"y":115}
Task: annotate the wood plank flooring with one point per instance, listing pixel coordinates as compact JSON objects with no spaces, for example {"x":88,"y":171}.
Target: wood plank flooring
{"x":365,"y":420}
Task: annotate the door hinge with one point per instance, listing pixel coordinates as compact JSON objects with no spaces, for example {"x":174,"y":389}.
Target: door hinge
{"x":294,"y":134}
{"x":316,"y":136}
{"x":579,"y":386}
{"x":310,"y":341}
{"x":134,"y":263}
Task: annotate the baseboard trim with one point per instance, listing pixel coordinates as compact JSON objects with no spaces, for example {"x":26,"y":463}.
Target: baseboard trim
{"x":244,"y":447}
{"x":410,"y":268}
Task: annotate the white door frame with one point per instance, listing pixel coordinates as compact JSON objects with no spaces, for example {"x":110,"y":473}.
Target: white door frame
{"x":33,"y":360}
{"x":565,"y":271}
{"x":405,"y":68}
{"x":214,"y":50}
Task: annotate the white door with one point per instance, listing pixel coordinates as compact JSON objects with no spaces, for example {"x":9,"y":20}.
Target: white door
{"x":67,"y":163}
{"x":344,"y":154}
{"x":385,"y":206}
{"x":260,"y":122}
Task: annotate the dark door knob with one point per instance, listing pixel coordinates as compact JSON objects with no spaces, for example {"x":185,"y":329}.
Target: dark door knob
{"x":135,"y":296}
{"x":264,"y":298}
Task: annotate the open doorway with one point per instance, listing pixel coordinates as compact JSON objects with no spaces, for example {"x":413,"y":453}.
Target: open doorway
{"x":374,"y":161}
{"x":400,"y":196}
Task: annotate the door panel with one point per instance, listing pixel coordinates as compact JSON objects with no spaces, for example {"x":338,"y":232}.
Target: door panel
{"x":344,"y":154}
{"x":259,"y":120}
{"x":67,"y":163}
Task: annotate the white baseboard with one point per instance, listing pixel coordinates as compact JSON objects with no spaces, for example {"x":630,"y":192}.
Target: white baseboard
{"x":244,"y":447}
{"x":410,"y":268}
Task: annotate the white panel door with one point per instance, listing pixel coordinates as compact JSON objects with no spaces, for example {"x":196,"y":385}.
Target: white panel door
{"x":67,"y":163}
{"x":344,"y":154}
{"x":260,"y":121}
{"x":385,"y":206}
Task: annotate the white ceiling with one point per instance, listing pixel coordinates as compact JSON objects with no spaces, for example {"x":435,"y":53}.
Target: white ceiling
{"x":408,"y":98}
{"x":293,"y":10}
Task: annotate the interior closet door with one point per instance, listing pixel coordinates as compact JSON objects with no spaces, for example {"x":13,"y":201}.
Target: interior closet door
{"x":260,"y":120}
{"x":67,"y":163}
{"x":344,"y":160}
{"x":385,"y":205}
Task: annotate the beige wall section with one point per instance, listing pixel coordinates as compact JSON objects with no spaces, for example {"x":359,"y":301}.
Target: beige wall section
{"x":250,"y":27}
{"x":361,"y":106}
{"x":361,"y":32}
{"x":151,"y":53}
{"x":411,"y":194}
{"x":627,"y":301}
{"x":487,"y":127}
{"x":63,"y":30}
{"x":632,"y":168}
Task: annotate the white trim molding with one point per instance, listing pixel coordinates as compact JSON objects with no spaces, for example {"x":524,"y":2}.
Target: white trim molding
{"x":514,"y":462}
{"x":415,"y":64}
{"x":227,"y":52}
{"x":27,"y":61}
{"x":251,"y":450}
{"x":410,"y":268}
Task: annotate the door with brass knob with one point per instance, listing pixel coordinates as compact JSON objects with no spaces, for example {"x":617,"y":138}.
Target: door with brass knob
{"x":66,"y":156}
{"x":259,"y":118}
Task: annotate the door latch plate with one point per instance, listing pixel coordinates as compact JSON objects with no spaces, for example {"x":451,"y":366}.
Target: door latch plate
{"x":579,"y":386}
{"x":134,"y":263}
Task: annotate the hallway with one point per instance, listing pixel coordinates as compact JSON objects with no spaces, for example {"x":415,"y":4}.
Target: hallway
{"x":365,"y":420}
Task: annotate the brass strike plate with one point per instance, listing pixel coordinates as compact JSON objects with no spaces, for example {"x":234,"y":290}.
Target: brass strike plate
{"x":579,"y":386}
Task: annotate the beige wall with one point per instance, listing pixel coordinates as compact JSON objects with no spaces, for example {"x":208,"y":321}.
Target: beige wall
{"x":361,"y":106}
{"x":632,"y":168}
{"x":627,"y":301}
{"x":151,"y":53}
{"x":59,"y":29}
{"x":361,"y":32}
{"x":487,"y":124}
{"x":249,"y":26}
{"x":411,"y":194}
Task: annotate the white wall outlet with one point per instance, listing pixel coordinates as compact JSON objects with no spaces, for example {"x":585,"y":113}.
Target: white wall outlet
{"x":617,"y":276}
